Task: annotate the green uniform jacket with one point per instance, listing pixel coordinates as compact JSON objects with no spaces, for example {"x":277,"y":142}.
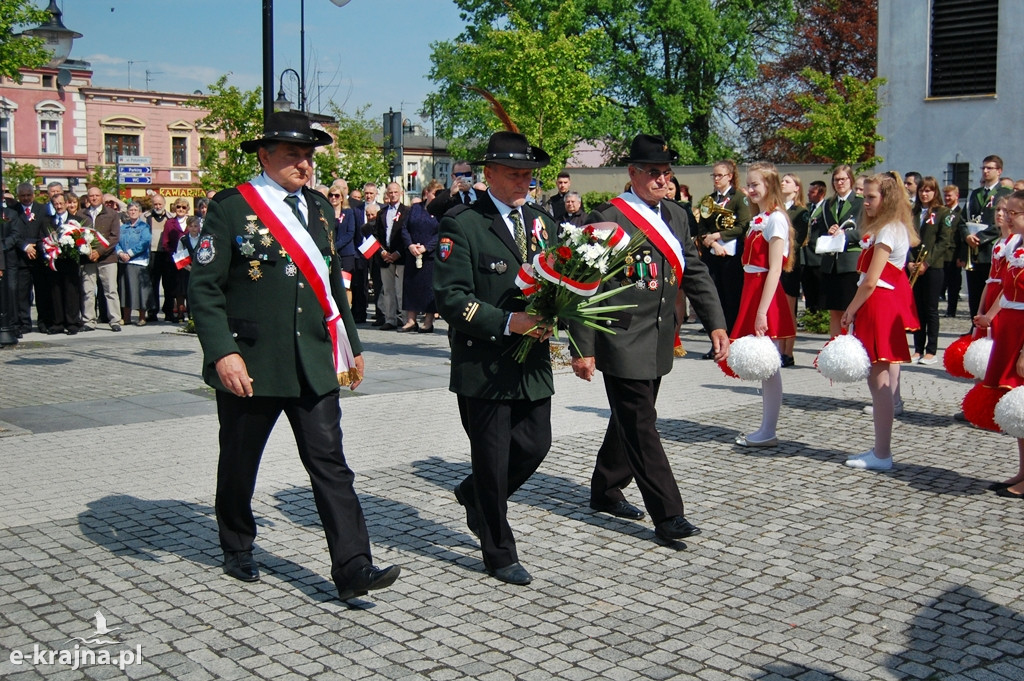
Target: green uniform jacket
{"x":641,"y":348}
{"x":846,"y":261}
{"x":936,"y":235}
{"x":981,"y":207}
{"x":273,"y":320}
{"x":475,"y":291}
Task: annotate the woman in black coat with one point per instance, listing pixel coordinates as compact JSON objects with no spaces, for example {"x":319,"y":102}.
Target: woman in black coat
{"x":420,"y":238}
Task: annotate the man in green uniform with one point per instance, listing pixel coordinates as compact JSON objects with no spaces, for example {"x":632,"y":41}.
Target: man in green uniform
{"x":278,"y":335}
{"x":659,"y":272}
{"x":505,"y":406}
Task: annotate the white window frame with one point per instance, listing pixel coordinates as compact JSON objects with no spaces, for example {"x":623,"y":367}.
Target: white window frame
{"x":50,"y":113}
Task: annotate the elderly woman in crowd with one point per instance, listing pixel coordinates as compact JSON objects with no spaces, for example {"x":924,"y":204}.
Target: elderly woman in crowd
{"x":168,"y":244}
{"x":419,"y":236}
{"x":133,"y":252}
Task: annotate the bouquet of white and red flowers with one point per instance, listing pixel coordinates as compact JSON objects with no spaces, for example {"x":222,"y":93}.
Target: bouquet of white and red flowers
{"x":71,"y":242}
{"x":561,"y":282}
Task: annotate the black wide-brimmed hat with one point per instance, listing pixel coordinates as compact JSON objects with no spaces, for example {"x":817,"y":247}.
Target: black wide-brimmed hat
{"x":650,"y":149}
{"x":511,"y":149}
{"x":288,"y":126}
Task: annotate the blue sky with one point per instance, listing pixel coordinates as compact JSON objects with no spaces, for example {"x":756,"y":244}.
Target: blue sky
{"x":373,"y":52}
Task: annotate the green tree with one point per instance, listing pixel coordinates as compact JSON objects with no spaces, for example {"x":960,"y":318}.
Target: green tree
{"x":841,"y":121}
{"x":238,"y":115}
{"x":20,"y":51}
{"x":354,"y":156}
{"x":104,"y":177}
{"x":540,"y":77}
{"x":16,"y":173}
{"x":662,"y":66}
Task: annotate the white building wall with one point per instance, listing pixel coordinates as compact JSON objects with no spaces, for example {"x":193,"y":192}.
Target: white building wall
{"x":925,"y":134}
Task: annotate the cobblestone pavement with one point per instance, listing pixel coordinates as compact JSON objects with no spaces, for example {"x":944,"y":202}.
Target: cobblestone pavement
{"x":806,"y":569}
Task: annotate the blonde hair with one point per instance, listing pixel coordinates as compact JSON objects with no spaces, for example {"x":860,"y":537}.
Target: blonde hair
{"x":774,"y":200}
{"x":894,"y":207}
{"x":800,"y":199}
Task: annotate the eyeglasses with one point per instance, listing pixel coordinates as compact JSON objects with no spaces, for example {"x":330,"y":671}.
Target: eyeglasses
{"x":989,"y":168}
{"x":719,"y":176}
{"x":334,"y":196}
{"x":181,"y":208}
{"x":1012,"y":213}
{"x":463,"y":174}
{"x":655,"y":174}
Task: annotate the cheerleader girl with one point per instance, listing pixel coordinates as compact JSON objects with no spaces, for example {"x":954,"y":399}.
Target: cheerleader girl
{"x":1006,"y":363}
{"x":882,"y":310}
{"x":992,"y":295}
{"x":764,"y":311}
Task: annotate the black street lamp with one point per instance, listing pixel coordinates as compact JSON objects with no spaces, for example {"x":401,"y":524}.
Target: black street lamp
{"x":282,"y":103}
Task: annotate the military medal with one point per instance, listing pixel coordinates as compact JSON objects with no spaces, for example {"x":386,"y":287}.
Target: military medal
{"x":266,"y":240}
{"x":290,"y":269}
{"x":283,"y":253}
{"x":647,"y":259}
{"x":629,"y":260}
{"x":641,"y":284}
{"x":247,"y":248}
{"x":255,"y":272}
{"x":653,"y":284}
{"x":654,"y":270}
{"x":250,"y":225}
{"x":501,"y":267}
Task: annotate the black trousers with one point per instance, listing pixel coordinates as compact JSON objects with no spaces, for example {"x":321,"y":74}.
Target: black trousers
{"x":926,"y":297}
{"x":810,"y":277}
{"x":34,"y":275}
{"x":66,"y":294}
{"x":953,"y":281}
{"x":727,"y":273}
{"x":976,"y":286}
{"x":632,"y":450}
{"x":360,"y":284}
{"x":245,"y":425}
{"x":508,"y":441}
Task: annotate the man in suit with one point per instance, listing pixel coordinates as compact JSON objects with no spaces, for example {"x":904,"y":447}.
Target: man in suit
{"x":810,"y":276}
{"x":953,"y":277}
{"x":980,"y":210}
{"x":505,"y":405}
{"x":556,"y":204}
{"x":663,"y":269}
{"x":460,"y":191}
{"x":391,"y":256}
{"x":33,"y":221}
{"x":101,"y":264}
{"x":277,"y":335}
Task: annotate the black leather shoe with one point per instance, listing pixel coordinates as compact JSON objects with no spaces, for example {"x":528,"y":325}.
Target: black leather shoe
{"x":512,"y":574}
{"x":388,"y":327}
{"x":620,"y":509}
{"x":710,"y":354}
{"x":369,"y":578}
{"x":676,"y":527}
{"x":240,"y":565}
{"x":472,"y":517}
{"x":377,"y":322}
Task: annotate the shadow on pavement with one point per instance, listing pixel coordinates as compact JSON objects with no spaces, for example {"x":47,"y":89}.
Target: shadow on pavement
{"x":146,"y":529}
{"x":958,"y":635}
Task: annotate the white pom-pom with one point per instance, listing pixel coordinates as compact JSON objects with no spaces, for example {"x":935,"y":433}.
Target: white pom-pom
{"x":754,"y":358}
{"x":844,"y":360}
{"x":976,"y":357}
{"x":1010,"y":412}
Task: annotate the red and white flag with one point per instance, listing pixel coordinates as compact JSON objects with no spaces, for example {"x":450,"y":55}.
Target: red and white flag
{"x":369,"y":247}
{"x":182,"y":258}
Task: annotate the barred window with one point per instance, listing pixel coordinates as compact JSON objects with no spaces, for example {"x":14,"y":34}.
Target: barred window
{"x":963,"y":48}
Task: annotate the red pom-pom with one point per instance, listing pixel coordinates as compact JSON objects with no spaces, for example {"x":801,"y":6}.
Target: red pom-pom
{"x":727,"y":370}
{"x":980,"y":406}
{"x":953,"y":357}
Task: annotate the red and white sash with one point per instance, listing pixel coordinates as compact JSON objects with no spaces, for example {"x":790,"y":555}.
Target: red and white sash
{"x":651,"y":224}
{"x":297,"y":242}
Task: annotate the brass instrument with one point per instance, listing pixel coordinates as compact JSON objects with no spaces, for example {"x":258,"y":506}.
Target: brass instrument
{"x":922,"y":254}
{"x":708,"y":207}
{"x":969,"y":267}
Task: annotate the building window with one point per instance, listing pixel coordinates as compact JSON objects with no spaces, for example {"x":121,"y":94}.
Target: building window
{"x":959,"y":174}
{"x":120,"y":145}
{"x":179,"y":152}
{"x":963,"y":48}
{"x":6,"y":138}
{"x":49,"y":136}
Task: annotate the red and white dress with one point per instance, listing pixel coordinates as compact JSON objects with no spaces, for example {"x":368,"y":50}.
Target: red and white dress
{"x":889,"y":312}
{"x":763,"y":228}
{"x":1008,"y":334}
{"x":994,"y":283}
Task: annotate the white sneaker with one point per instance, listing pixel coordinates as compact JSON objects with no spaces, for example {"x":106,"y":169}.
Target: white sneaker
{"x":868,"y":461}
{"x":896,"y":411}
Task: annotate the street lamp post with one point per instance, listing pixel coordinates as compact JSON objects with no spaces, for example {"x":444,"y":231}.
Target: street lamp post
{"x":282,"y":103}
{"x":8,"y":320}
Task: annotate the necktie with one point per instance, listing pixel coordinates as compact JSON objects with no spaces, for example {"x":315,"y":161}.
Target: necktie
{"x":520,"y":232}
{"x":839,"y":207}
{"x":293,"y":202}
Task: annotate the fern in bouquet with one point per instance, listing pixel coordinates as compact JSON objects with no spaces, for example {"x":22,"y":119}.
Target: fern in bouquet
{"x":561,"y":283}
